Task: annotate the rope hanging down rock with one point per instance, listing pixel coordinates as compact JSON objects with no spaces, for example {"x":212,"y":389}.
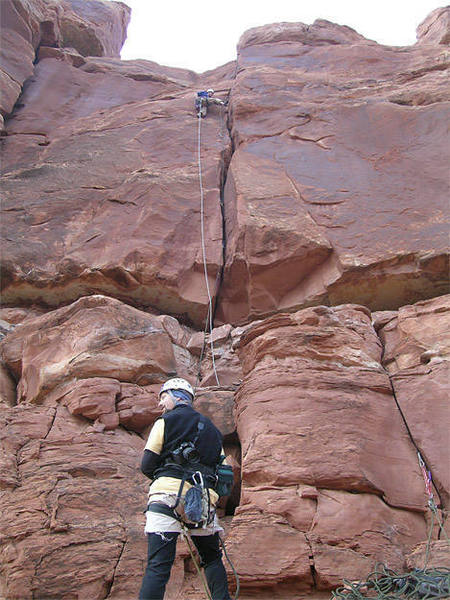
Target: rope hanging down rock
{"x":209,"y":318}
{"x":208,"y":326}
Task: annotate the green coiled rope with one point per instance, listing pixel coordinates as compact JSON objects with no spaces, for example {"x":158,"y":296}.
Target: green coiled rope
{"x":419,"y":584}
{"x":385,"y":584}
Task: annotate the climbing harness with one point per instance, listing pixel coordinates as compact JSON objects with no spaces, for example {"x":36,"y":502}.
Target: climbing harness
{"x":196,"y":508}
{"x":186,"y":527}
{"x":194,"y":511}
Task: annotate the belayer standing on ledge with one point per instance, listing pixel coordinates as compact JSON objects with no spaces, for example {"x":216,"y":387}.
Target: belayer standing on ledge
{"x":182,"y":456}
{"x":204,"y":99}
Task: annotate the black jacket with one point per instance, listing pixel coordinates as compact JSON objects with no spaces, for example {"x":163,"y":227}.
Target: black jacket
{"x":181,"y":425}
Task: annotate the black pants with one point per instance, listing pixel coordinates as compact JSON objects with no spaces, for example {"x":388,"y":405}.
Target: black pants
{"x":160,"y":558}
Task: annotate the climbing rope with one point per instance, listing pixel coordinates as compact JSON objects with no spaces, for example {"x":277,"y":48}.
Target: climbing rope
{"x":236,"y":576}
{"x":418,"y":584}
{"x":209,"y":319}
{"x":427,"y":477}
{"x":385,"y":584}
{"x":190,"y":544}
{"x":208,"y":326}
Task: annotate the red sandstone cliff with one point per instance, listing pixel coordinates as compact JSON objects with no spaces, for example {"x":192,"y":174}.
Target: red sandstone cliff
{"x":326,"y":198}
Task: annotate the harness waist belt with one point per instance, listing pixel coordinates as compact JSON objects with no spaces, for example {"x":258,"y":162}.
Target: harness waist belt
{"x":163,"y":509}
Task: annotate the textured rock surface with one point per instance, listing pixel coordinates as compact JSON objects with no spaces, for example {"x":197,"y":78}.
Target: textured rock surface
{"x":310,"y":380}
{"x":94,"y":27}
{"x":326,"y":127}
{"x":435,"y":28}
{"x":325,"y":192}
{"x":329,"y":474}
{"x":74,"y":500}
{"x":114,"y":175}
{"x":94,"y":336}
{"x":69,"y":473}
{"x":417,"y":354}
{"x":91,"y":27}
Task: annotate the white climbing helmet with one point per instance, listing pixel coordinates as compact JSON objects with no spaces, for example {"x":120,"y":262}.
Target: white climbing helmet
{"x":177,"y":384}
{"x":210,"y":92}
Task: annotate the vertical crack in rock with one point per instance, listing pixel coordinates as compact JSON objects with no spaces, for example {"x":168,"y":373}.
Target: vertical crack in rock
{"x":110,"y":584}
{"x":312,"y":564}
{"x":413,"y":441}
{"x":52,"y":423}
{"x":435,"y":483}
{"x":227,"y":155}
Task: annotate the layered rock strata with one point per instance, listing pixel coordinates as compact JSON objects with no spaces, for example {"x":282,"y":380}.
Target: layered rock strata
{"x":119,"y":228}
{"x":329,"y":474}
{"x":326,"y":459}
{"x":325,"y":193}
{"x":87,"y":28}
{"x":325,"y":129}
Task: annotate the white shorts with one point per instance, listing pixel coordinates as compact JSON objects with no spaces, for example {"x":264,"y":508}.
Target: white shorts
{"x":158,"y":523}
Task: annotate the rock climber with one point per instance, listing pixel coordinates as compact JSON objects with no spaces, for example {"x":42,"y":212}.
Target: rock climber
{"x":204,"y":99}
{"x":180,"y":434}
